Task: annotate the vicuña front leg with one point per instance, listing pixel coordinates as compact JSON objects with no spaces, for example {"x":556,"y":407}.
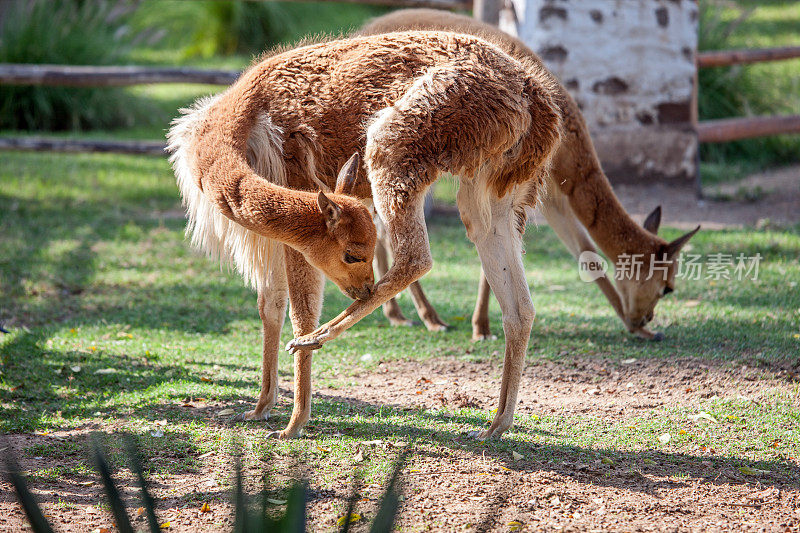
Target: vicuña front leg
{"x":272,"y":297}
{"x":425,"y":309}
{"x":306,"y":286}
{"x":412,"y":260}
{"x":556,"y":209}
{"x":391,"y":309}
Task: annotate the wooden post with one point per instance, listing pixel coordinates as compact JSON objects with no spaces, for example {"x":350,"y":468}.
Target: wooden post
{"x":487,"y":11}
{"x":694,"y":117}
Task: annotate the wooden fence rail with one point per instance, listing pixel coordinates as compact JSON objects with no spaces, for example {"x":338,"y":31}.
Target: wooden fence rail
{"x":464,"y":5}
{"x":734,"y":129}
{"x":41,"y":144}
{"x":724,"y":58}
{"x":91,"y":76}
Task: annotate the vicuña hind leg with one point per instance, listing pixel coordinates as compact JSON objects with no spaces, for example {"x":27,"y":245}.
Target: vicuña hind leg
{"x":272,"y":298}
{"x":306,"y":285}
{"x":499,"y":245}
{"x":481,"y":330}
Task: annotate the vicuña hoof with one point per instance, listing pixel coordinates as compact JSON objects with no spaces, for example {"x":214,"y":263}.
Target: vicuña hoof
{"x":402,"y":322}
{"x":251,"y":415}
{"x":479,"y":435}
{"x":646,"y":334}
{"x":284,"y":435}
{"x":436,"y":327}
{"x":306,"y":342}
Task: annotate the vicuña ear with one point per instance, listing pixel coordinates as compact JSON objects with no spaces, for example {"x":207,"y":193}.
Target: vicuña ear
{"x":653,"y":221}
{"x":329,"y":210}
{"x":675,"y":246}
{"x":348,"y":175}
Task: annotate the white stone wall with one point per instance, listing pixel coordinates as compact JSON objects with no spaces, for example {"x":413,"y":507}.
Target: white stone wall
{"x":630,"y":66}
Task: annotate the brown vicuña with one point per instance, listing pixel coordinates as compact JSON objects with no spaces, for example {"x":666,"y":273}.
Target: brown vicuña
{"x":580,"y":199}
{"x":416,"y":104}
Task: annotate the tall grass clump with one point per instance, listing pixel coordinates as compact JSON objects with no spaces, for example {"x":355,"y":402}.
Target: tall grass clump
{"x":740,"y":91}
{"x":71,"y":32}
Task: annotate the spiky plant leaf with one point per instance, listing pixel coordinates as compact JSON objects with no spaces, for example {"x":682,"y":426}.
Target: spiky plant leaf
{"x":26,"y":499}
{"x":295,"y":518}
{"x":239,"y":503}
{"x":114,"y":498}
{"x":351,"y":504}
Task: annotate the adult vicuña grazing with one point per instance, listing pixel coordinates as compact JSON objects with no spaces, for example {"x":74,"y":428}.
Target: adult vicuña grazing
{"x":417,"y":104}
{"x":580,"y":199}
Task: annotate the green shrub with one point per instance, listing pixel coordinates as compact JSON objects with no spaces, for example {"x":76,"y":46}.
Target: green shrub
{"x":739,"y":91}
{"x":71,"y":32}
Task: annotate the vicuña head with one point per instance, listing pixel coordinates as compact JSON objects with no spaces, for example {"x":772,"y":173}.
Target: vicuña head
{"x":344,"y":250}
{"x":643,"y":279}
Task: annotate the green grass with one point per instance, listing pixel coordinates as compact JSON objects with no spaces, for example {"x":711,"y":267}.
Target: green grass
{"x":95,"y":274}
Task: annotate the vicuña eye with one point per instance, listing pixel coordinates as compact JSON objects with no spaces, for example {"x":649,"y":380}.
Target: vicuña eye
{"x":351,"y":259}
{"x":668,"y":290}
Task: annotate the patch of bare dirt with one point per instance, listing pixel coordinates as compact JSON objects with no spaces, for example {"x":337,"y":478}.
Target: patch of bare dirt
{"x":610,"y":389}
{"x":568,"y":495}
{"x":767,"y":198}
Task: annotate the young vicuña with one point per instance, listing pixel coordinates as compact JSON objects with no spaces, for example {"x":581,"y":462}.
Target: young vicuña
{"x":579,"y":199}
{"x":416,"y":104}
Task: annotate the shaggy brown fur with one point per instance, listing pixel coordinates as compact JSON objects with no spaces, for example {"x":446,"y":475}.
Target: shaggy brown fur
{"x":576,"y":174}
{"x":416,"y":104}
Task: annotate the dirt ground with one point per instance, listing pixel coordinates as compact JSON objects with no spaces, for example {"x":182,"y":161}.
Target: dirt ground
{"x":767,"y":198}
{"x":560,"y":494}
{"x":553,"y":492}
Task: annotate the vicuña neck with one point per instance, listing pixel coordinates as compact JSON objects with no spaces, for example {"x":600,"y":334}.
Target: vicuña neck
{"x":603,"y":216}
